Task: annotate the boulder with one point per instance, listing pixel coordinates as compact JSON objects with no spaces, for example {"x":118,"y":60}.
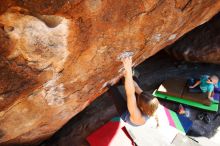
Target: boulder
{"x":56,"y":56}
{"x":199,"y":45}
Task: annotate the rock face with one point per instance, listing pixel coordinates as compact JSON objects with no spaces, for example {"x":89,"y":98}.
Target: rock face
{"x":200,"y":45}
{"x":57,"y":56}
{"x":103,"y":109}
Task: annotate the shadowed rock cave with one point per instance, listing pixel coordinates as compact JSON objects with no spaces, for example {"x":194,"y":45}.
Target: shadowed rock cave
{"x":57,"y":56}
{"x":171,"y":62}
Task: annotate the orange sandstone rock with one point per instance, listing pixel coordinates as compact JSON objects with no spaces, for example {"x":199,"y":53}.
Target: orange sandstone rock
{"x":57,"y":55}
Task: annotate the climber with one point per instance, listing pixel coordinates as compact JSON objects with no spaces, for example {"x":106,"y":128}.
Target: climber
{"x":205,"y":84}
{"x":142,"y":107}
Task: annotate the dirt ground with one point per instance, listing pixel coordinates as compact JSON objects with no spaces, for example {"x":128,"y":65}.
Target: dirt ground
{"x":152,"y":72}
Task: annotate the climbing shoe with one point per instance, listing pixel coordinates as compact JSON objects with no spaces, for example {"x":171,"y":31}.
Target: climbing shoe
{"x":181,"y":110}
{"x":207,"y":119}
{"x":200,"y":116}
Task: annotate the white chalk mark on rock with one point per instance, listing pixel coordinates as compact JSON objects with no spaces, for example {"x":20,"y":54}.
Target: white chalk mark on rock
{"x":54,"y":92}
{"x":173,"y":36}
{"x":157,"y":37}
{"x":124,"y":55}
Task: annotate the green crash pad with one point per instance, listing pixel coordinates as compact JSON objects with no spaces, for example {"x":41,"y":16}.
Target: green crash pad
{"x":212,"y":107}
{"x":177,"y":87}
